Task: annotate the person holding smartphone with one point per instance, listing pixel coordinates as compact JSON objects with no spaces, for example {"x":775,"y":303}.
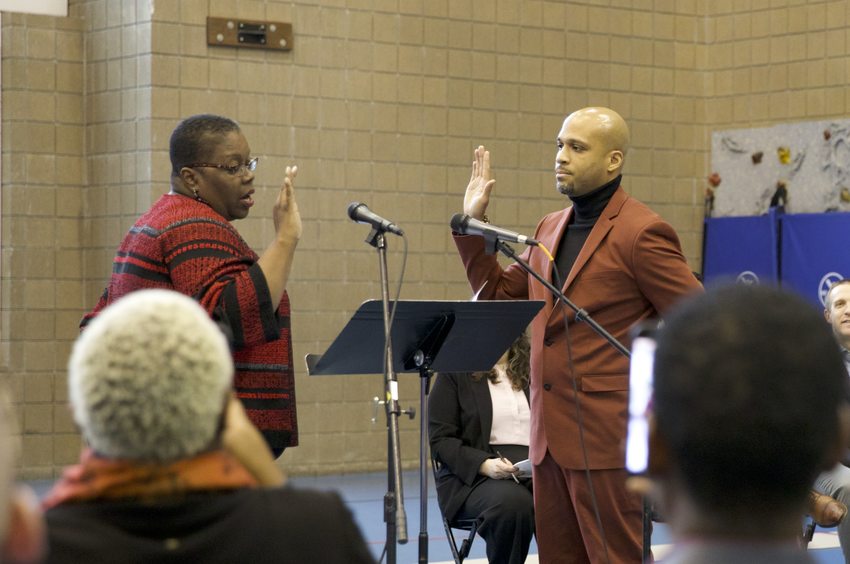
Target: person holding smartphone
{"x":749,"y":405}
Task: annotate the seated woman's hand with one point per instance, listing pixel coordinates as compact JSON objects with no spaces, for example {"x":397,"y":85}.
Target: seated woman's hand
{"x":241,"y":439}
{"x":497,"y":469}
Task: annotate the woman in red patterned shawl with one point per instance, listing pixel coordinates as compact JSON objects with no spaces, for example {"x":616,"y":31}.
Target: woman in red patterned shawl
{"x":185,"y":242}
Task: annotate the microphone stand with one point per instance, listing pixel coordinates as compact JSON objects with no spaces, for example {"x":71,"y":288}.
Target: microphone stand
{"x":582,"y":315}
{"x":394,"y":513}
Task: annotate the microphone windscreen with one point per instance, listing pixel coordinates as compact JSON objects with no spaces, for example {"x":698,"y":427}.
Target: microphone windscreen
{"x":352,"y":209}
{"x":458,"y":222}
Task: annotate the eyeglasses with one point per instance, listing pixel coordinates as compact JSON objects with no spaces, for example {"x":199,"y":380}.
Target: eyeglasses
{"x":236,"y":170}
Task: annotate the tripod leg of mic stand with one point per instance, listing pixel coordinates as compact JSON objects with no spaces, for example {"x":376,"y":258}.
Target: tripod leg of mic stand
{"x":389,"y":519}
{"x":424,"y":380}
{"x":394,"y":513}
{"x":389,"y":498}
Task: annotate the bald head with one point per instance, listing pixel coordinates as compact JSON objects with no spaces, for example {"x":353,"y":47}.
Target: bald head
{"x":606,"y":123}
{"x":592,"y":146}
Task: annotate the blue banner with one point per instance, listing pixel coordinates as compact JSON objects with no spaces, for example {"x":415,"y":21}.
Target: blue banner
{"x":741,"y":249}
{"x":815,"y":253}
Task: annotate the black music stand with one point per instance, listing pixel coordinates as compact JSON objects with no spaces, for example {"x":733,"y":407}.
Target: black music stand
{"x":428,"y":337}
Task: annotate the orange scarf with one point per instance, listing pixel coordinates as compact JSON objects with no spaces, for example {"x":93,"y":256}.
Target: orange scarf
{"x":101,"y":478}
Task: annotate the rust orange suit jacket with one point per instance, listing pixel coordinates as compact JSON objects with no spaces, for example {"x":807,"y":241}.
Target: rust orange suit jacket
{"x":630,"y":268}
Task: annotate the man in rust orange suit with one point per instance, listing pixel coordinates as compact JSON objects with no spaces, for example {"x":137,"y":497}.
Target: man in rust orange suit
{"x":622,"y":263}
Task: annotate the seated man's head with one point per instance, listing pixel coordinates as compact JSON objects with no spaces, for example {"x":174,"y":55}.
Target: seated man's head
{"x":149,"y":378}
{"x":837,"y":311}
{"x":749,"y":407}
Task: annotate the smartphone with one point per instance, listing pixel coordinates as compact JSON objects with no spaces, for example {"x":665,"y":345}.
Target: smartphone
{"x":640,"y":402}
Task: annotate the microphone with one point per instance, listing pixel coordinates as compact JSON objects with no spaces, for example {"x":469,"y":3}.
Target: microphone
{"x":466,"y":225}
{"x":360,"y":213}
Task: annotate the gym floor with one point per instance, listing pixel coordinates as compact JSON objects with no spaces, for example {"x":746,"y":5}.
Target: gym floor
{"x":364,"y":495}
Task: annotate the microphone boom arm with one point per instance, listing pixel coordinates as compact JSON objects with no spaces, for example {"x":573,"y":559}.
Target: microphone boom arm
{"x":581,"y":314}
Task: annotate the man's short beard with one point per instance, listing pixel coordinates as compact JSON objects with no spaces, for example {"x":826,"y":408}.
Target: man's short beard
{"x":564,"y":189}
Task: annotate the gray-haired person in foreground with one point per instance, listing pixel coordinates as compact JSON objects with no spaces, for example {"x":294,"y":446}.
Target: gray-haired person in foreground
{"x":174,"y":470}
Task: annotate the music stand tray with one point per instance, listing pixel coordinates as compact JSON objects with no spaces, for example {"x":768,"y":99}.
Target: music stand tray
{"x":475,"y":334}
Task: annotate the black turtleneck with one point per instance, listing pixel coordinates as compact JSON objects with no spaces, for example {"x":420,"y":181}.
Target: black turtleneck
{"x":586,"y":210}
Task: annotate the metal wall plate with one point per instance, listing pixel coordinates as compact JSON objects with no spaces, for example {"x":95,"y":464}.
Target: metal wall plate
{"x":233,"y":32}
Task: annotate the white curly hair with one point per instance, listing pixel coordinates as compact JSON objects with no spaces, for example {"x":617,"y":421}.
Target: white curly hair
{"x":148,"y":378}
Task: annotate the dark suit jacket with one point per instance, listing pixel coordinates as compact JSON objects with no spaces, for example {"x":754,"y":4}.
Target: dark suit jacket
{"x":630,"y":268}
{"x":255,"y":525}
{"x":460,"y":417}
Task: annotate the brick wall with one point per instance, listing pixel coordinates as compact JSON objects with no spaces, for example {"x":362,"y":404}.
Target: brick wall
{"x":381,"y":101}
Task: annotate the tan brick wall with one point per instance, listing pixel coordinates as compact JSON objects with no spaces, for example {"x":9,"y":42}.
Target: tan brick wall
{"x":41,"y":280}
{"x":380,"y":101}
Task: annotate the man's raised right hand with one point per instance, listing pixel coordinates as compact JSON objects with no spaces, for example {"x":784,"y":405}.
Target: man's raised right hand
{"x":477,"y":195}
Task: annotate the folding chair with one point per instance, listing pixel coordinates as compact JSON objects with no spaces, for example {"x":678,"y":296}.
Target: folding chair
{"x":470,"y":525}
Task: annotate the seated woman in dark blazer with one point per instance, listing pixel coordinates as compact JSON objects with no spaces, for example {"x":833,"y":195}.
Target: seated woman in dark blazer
{"x":479,"y":426}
